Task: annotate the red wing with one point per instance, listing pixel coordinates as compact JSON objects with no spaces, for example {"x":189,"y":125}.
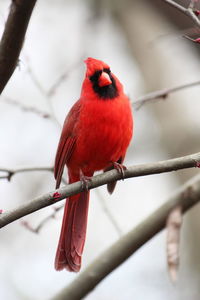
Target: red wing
{"x":64,"y":153}
{"x":67,"y":142}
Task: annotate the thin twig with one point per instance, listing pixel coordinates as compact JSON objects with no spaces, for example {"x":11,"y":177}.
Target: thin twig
{"x":38,"y":228}
{"x":189,"y":161}
{"x":52,"y":90}
{"x":108,"y":213}
{"x":189,"y":12}
{"x":34,"y":77}
{"x":194,"y":40}
{"x":162,"y":94}
{"x":11,"y":172}
{"x":63,"y":77}
{"x":13,"y":38}
{"x":26,"y":108}
{"x":9,"y":175}
{"x":186,"y":197}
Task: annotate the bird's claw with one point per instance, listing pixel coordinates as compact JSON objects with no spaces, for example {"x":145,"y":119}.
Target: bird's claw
{"x":120,"y":168}
{"x":84,"y":181}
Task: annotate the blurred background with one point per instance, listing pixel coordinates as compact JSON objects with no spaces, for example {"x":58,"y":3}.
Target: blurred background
{"x":142,"y":42}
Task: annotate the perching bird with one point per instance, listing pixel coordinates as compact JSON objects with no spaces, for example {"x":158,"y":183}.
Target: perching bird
{"x":95,"y":136}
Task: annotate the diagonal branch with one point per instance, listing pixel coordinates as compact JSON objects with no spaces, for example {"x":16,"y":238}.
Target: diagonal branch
{"x":26,"y":108}
{"x":186,"y":11}
{"x":13,"y":38}
{"x":11,"y":172}
{"x":162,"y":94}
{"x":38,"y":228}
{"x":173,"y":226}
{"x":189,"y":161}
{"x":186,"y":197}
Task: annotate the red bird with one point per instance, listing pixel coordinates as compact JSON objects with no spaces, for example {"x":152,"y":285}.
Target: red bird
{"x":95,"y":136}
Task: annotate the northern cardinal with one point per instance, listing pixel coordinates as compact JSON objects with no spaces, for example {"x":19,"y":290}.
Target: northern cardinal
{"x":95,"y":136}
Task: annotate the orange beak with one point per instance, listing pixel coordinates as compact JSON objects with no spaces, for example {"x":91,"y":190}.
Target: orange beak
{"x":104,"y":79}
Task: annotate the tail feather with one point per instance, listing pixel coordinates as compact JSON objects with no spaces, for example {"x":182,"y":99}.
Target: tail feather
{"x":73,"y":233}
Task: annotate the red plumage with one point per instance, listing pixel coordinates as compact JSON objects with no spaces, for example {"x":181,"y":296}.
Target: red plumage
{"x":96,"y":133}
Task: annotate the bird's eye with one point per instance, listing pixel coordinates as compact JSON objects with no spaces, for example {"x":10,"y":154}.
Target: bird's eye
{"x":107,"y":70}
{"x":95,"y":76}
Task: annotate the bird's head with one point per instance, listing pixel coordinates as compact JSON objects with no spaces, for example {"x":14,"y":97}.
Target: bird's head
{"x":102,"y":81}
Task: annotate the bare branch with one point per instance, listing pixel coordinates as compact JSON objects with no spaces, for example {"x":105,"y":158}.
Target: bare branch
{"x":148,"y":98}
{"x":9,"y":175}
{"x":174,"y":222}
{"x":108,"y":213}
{"x":186,"y":11}
{"x":194,"y":40}
{"x":11,"y":172}
{"x":62,"y":78}
{"x":52,"y":90}
{"x":38,"y":228}
{"x":162,"y":94}
{"x":189,"y":161}
{"x":26,"y":108}
{"x":187,"y":196}
{"x":13,"y":38}
{"x":33,"y":76}
{"x":176,"y":5}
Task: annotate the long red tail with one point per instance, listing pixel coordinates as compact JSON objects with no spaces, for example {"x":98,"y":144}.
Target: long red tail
{"x":73,"y":233}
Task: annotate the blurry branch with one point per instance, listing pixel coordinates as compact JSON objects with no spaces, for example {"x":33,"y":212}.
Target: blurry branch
{"x":162,"y":94}
{"x":189,"y":161}
{"x":33,"y":76}
{"x":190,"y":11}
{"x":192,"y":39}
{"x":185,"y":197}
{"x":173,"y":226}
{"x":52,"y":90}
{"x":48,"y":94}
{"x":11,"y":172}
{"x":13,"y":38}
{"x":151,"y":97}
{"x":8,"y":176}
{"x":25,"y":108}
{"x":63,"y":77}
{"x":38,"y":228}
{"x":108,"y":213}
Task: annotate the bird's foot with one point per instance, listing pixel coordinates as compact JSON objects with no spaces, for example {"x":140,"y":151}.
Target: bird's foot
{"x":120,"y":168}
{"x":84,"y":181}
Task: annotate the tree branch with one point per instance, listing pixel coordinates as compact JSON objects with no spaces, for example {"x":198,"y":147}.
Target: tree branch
{"x":11,"y":172}
{"x":173,"y":226}
{"x":13,"y":38}
{"x":26,"y":108}
{"x":189,"y":161}
{"x":186,"y":11}
{"x":38,"y":228}
{"x":186,"y":197}
{"x":162,"y":94}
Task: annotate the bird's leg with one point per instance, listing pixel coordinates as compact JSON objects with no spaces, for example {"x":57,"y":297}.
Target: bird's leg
{"x":120,"y":168}
{"x":84,"y":180}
